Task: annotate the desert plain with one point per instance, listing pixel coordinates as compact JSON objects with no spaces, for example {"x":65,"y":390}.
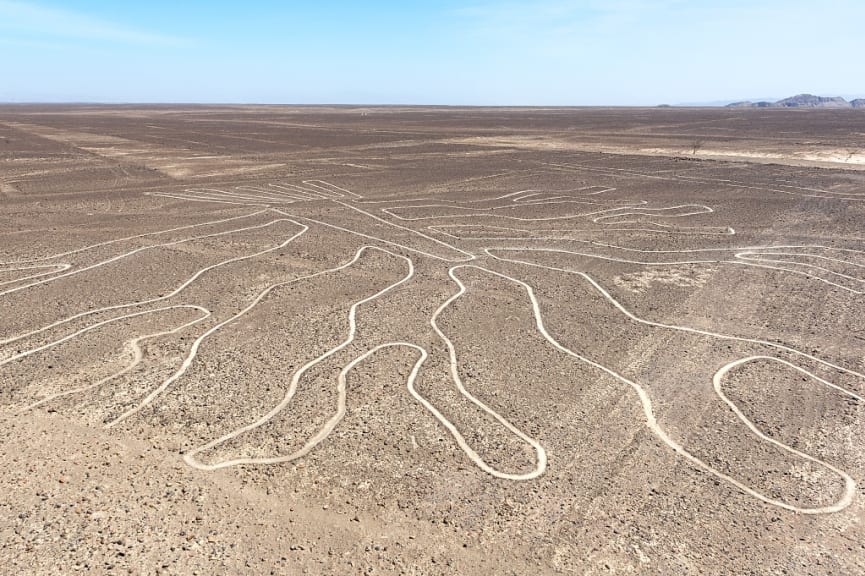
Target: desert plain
{"x":383,"y":340}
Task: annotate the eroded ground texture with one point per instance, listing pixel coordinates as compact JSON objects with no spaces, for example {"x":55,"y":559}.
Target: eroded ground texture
{"x":431,"y":341}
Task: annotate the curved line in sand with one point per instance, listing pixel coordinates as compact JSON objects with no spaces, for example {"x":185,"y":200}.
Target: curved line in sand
{"x":849,"y":484}
{"x":486,"y":212}
{"x":755,"y":256}
{"x":190,"y":358}
{"x":540,"y":452}
{"x":322,"y":190}
{"x":56,"y":268}
{"x":648,"y":411}
{"x":739,"y":259}
{"x":190,"y":198}
{"x":133,"y":237}
{"x":665,"y":229}
{"x":177,"y":290}
{"x":745,"y":254}
{"x":94,"y":326}
{"x":275,"y":193}
{"x":133,"y":344}
{"x":469,"y":255}
{"x":826,"y":194}
{"x":630,"y":315}
{"x":132,"y":252}
{"x":324,"y":432}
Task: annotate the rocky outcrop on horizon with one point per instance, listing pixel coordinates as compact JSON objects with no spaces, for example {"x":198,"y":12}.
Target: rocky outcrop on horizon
{"x":749,"y":104}
{"x":803,"y":101}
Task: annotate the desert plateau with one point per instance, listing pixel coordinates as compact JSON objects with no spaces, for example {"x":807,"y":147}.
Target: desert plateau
{"x":431,"y":340}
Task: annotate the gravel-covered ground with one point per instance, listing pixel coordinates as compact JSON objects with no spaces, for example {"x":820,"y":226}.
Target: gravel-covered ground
{"x":431,"y":341}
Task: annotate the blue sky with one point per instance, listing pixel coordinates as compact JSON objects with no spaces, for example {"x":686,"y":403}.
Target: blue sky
{"x":547,"y":52}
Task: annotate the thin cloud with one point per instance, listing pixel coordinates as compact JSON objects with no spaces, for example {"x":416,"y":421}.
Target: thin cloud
{"x":550,"y":12}
{"x":29,"y":19}
{"x":557,"y":25}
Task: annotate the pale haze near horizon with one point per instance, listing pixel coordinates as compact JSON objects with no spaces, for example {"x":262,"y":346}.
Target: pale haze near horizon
{"x":549,"y":52}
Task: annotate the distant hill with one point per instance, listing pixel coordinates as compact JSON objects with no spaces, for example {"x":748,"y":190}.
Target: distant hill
{"x":803,"y":101}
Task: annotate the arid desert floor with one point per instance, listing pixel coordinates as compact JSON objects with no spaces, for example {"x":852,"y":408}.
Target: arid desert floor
{"x":301,"y":340}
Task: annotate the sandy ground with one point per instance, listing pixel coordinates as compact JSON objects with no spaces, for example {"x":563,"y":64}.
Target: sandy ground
{"x":431,"y":341}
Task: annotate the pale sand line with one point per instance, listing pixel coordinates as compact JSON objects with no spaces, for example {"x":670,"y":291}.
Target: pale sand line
{"x":744,"y":257}
{"x":487,"y":211}
{"x":599,"y":214}
{"x":130,"y":253}
{"x":648,"y":411}
{"x":181,"y":196}
{"x":520,"y":197}
{"x":536,"y":192}
{"x":736,"y":249}
{"x":200,"y":272}
{"x":294,"y":195}
{"x":758,"y":257}
{"x":540,"y":452}
{"x":137,"y":354}
{"x":699,"y":180}
{"x":322,"y":190}
{"x":137,"y":358}
{"x":746,"y":489}
{"x":177,"y":290}
{"x":247,"y":192}
{"x":116,"y":240}
{"x":297,"y":193}
{"x":627,"y":313}
{"x":650,"y":417}
{"x":849,"y":484}
{"x":331,"y":189}
{"x":253,"y":188}
{"x":517,"y":197}
{"x":253,"y":197}
{"x":187,"y":362}
{"x":791,"y":184}
{"x":750,"y":255}
{"x":325,"y":431}
{"x":56,"y":268}
{"x":257,"y":198}
{"x":677,"y":230}
{"x":189,"y":457}
{"x":258,"y":195}
{"x":279,"y":192}
{"x":26,"y":353}
{"x":698,"y":209}
{"x":828,"y":193}
{"x":381,"y":240}
{"x":312,"y":193}
{"x":472,"y":179}
{"x":247,"y":198}
{"x":469,"y":255}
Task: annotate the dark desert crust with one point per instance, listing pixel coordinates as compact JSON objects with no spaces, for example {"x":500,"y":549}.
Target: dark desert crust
{"x":431,"y":340}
